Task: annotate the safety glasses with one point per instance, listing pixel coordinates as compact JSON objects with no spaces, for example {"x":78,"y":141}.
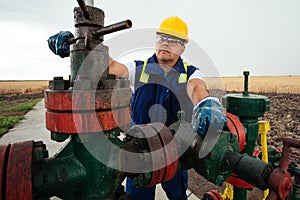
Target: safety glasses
{"x":170,"y":40}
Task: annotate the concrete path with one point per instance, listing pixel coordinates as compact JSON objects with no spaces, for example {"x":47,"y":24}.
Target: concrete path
{"x":33,"y":128}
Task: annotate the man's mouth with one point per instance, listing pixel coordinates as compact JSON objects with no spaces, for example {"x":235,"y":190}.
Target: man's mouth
{"x":164,"y":51}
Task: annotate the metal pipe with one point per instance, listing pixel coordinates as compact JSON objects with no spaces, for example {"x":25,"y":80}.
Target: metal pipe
{"x":249,"y":169}
{"x":246,"y":74}
{"x":287,"y":143}
{"x":90,"y":2}
{"x":113,"y":28}
{"x":84,"y":9}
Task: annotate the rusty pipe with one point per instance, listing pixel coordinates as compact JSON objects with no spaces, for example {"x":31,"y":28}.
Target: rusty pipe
{"x":113,"y":28}
{"x":84,"y":9}
{"x":287,"y":143}
{"x":280,"y":181}
{"x":106,"y":30}
{"x":90,"y":2}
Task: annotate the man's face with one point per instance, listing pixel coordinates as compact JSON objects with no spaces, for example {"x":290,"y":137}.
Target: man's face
{"x":168,"y":48}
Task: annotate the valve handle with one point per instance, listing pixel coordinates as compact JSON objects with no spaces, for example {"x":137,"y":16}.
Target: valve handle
{"x":106,"y":30}
{"x":84,"y":9}
{"x":280,"y":180}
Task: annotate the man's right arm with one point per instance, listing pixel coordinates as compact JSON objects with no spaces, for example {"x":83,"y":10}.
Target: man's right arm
{"x":117,"y":68}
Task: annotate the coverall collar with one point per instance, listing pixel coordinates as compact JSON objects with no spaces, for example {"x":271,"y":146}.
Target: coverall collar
{"x":152,"y":66}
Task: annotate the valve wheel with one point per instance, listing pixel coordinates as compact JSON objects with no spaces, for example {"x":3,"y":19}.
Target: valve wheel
{"x":280,"y":181}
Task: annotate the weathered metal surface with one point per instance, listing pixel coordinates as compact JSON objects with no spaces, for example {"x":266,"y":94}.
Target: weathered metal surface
{"x":280,"y":181}
{"x":87,"y":100}
{"x":75,"y":173}
{"x":91,"y":122}
{"x":95,"y":16}
{"x":90,"y":61}
{"x":113,"y":28}
{"x":157,"y":159}
{"x":4,"y":149}
{"x":58,"y":83}
{"x":252,"y":170}
{"x":212,"y":195}
{"x":280,"y":184}
{"x":19,"y":171}
{"x":170,"y":148}
{"x":84,"y":9}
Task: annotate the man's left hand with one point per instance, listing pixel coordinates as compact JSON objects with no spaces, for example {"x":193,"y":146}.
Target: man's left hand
{"x":208,"y":115}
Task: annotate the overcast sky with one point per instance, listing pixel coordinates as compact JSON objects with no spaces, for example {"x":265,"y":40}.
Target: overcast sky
{"x":262,"y":36}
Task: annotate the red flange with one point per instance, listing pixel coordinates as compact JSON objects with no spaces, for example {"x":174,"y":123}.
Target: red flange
{"x":79,"y":100}
{"x":165,"y":164}
{"x":214,"y":194}
{"x":19,"y":171}
{"x":157,"y":159}
{"x":90,"y":122}
{"x":236,"y":127}
{"x":170,"y":149}
{"x":4,"y":149}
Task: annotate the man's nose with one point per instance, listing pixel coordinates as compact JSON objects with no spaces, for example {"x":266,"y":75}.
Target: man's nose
{"x":165,"y":42}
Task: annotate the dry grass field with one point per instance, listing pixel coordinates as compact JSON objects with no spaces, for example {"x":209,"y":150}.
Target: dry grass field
{"x":258,"y":84}
{"x":22,"y":87}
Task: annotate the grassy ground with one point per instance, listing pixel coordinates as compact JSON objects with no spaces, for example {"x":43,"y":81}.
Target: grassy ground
{"x":12,"y":111}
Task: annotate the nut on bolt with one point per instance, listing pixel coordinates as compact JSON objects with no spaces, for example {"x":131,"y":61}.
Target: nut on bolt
{"x":220,"y":180}
{"x":39,"y":151}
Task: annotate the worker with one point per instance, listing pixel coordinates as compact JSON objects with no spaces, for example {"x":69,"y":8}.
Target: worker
{"x":164,"y":84}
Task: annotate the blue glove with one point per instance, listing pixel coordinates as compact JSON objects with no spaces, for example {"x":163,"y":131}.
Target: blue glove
{"x":208,"y":115}
{"x":59,"y":45}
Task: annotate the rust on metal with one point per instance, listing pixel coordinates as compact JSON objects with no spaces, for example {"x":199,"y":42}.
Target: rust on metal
{"x":68,"y":100}
{"x":4,"y":149}
{"x":113,"y":28}
{"x":157,"y":159}
{"x":19,"y":171}
{"x":84,"y":9}
{"x":287,"y":143}
{"x":170,"y":149}
{"x":280,"y":181}
{"x":87,"y":122}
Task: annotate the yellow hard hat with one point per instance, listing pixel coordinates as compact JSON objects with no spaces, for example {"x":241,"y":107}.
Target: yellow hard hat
{"x":174,"y":26}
